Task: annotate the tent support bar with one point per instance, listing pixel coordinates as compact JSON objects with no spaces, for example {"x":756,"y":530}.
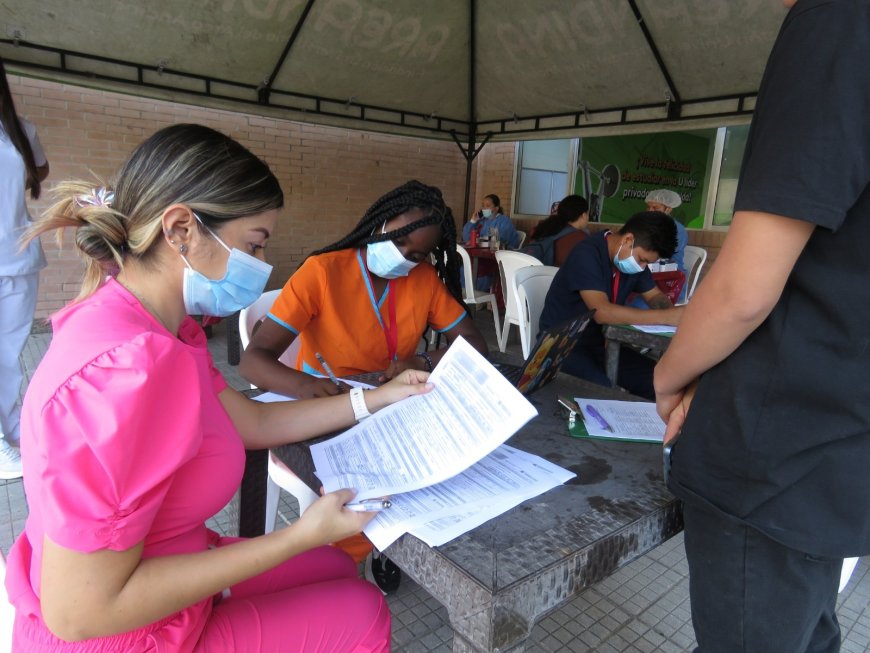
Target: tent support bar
{"x":267,"y":87}
{"x":103,"y":72}
{"x":162,"y":78}
{"x":673,"y":102}
{"x":470,"y":153}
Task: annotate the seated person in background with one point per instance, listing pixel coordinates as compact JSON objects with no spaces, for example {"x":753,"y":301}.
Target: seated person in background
{"x":490,"y":216}
{"x":599,"y":274}
{"x":554,"y":207}
{"x":666,"y":200}
{"x":364,"y":302}
{"x":556,"y":236}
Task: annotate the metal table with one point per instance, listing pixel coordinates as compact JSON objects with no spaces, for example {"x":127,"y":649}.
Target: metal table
{"x":499,"y":579}
{"x":616,"y":335}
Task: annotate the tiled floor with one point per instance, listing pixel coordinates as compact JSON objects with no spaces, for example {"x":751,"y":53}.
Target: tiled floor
{"x":642,"y":608}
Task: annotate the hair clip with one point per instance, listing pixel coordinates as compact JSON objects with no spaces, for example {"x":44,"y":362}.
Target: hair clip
{"x":97,"y":197}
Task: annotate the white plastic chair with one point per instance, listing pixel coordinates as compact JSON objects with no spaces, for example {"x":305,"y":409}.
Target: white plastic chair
{"x":849,"y":565}
{"x":279,"y":476}
{"x":508,"y":263}
{"x":533,"y":282}
{"x":473,"y":296}
{"x":522,"y":239}
{"x":692,"y":256}
{"x":7,"y":612}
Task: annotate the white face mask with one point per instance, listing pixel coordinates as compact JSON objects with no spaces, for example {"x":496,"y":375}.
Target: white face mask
{"x":386,"y":261}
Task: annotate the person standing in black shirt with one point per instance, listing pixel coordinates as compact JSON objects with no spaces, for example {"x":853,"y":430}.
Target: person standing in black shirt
{"x":766,"y":381}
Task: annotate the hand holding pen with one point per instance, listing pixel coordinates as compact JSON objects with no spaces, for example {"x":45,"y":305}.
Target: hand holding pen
{"x":326,"y":368}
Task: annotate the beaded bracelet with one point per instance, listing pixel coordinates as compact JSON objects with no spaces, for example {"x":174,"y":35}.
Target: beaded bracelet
{"x":427,"y":358}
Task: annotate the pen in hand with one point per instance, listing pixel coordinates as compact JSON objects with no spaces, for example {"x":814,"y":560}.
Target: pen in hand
{"x":369,"y":505}
{"x":598,"y":418}
{"x":328,"y":370}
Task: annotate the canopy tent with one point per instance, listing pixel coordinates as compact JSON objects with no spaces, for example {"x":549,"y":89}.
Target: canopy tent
{"x":467,"y":70}
{"x":506,"y":68}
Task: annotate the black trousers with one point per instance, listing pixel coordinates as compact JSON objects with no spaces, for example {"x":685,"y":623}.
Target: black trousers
{"x":750,"y":594}
{"x":635,"y":372}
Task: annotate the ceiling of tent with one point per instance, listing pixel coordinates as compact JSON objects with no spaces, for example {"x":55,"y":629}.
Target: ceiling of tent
{"x":540,"y":68}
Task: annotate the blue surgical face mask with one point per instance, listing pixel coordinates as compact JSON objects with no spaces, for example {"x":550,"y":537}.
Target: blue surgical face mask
{"x":243,"y":283}
{"x":627,"y":265}
{"x":487,"y":213}
{"x":386,"y":260}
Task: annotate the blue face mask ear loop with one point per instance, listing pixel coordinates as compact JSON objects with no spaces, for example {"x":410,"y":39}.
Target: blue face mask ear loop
{"x":183,"y":249}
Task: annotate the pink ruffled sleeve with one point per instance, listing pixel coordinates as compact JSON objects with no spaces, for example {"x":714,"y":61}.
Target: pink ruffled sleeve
{"x":111,"y":440}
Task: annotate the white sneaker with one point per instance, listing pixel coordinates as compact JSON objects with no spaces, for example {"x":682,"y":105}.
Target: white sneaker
{"x":10,"y":461}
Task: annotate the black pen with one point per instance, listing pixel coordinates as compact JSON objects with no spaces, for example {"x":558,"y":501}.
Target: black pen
{"x":329,"y":371}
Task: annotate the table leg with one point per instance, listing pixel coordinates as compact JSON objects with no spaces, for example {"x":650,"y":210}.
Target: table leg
{"x":234,"y":344}
{"x":611,"y":365}
{"x":252,"y":499}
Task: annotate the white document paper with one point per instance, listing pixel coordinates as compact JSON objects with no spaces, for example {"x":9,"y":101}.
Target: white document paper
{"x":441,"y":531}
{"x":502,"y":480}
{"x":665,"y":329}
{"x":625,"y":420}
{"x":427,"y":438}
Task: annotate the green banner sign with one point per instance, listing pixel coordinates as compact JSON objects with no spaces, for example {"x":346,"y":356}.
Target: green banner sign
{"x":621,"y":170}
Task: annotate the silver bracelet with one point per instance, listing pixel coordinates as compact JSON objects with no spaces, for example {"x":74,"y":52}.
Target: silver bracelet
{"x":358,"y":403}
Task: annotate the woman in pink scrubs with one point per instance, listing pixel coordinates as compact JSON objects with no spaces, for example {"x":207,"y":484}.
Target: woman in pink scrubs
{"x":131,"y":438}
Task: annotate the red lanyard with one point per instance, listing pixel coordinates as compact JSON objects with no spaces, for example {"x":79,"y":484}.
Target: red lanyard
{"x":391,"y":331}
{"x":616,"y":276}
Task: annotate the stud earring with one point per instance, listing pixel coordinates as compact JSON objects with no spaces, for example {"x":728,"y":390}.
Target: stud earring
{"x":183,"y":249}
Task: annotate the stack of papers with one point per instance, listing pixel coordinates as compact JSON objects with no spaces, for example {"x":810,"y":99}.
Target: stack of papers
{"x":622,"y":420}
{"x":440,"y":456}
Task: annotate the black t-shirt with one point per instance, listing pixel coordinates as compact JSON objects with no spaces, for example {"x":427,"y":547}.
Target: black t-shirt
{"x":778,"y":435}
{"x":588,"y":267}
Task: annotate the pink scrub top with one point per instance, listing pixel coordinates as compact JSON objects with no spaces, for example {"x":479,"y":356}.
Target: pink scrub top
{"x":123,"y":440}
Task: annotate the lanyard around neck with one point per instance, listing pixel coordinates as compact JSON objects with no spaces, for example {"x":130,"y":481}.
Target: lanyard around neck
{"x":616,"y":273}
{"x":391,"y":330}
{"x":616,"y":276}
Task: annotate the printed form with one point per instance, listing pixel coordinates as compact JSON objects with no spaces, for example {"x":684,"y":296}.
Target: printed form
{"x":622,"y":420}
{"x":503,"y":479}
{"x":427,"y":438}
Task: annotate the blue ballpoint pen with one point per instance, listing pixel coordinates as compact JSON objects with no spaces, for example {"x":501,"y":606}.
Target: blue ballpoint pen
{"x":598,"y":418}
{"x":328,"y":370}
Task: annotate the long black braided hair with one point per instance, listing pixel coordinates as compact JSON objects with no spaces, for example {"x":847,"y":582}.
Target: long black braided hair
{"x":411,"y":195}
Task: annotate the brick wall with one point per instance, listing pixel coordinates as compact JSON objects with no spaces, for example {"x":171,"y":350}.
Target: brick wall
{"x":330,"y":176}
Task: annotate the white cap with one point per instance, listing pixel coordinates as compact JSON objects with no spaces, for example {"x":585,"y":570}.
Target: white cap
{"x":664,"y":196}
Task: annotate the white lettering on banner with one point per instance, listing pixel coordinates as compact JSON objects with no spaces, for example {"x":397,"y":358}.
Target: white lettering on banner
{"x":538,"y":36}
{"x":264,"y":9}
{"x":368,"y":28}
{"x":378,"y":29}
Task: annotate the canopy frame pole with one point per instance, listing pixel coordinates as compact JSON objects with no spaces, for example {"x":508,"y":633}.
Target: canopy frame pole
{"x":265,"y":89}
{"x":672,"y":96}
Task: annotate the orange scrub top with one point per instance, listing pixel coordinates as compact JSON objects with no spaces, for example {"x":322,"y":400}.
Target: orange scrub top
{"x":330,"y":304}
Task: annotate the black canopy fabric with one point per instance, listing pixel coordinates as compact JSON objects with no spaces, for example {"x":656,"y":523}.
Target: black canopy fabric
{"x":470,"y":70}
